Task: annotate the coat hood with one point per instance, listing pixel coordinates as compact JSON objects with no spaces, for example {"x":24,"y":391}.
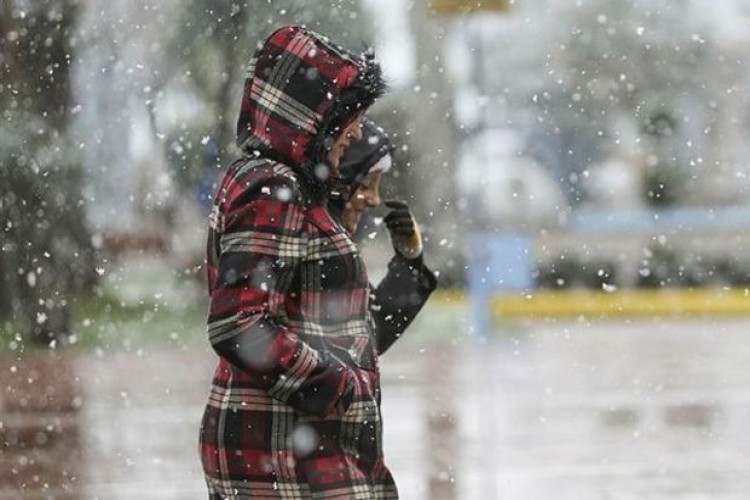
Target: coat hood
{"x":300,"y":89}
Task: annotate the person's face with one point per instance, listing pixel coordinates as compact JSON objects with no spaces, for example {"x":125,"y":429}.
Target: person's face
{"x":348,"y":136}
{"x":367,"y":195}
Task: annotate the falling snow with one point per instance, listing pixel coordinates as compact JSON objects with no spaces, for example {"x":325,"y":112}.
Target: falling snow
{"x":577,"y":171}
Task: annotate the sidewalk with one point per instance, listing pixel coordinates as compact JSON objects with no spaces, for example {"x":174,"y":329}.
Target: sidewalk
{"x":570,"y":410}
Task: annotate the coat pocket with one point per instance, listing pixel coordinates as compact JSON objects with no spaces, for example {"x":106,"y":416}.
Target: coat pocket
{"x":360,"y":424}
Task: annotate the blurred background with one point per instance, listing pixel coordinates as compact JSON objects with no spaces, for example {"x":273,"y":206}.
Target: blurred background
{"x":579,"y":170}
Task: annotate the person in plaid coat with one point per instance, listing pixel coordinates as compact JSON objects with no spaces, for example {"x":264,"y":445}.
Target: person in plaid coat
{"x":294,"y":408}
{"x":408,"y":283}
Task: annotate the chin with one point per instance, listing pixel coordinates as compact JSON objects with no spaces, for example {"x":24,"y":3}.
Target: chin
{"x":334,"y":163}
{"x":351,"y":225}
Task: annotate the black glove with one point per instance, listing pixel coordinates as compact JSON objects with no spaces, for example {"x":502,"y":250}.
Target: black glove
{"x":405,"y":235}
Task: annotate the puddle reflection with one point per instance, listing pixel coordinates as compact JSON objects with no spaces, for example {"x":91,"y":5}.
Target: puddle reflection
{"x":40,"y":433}
{"x":442,"y":431}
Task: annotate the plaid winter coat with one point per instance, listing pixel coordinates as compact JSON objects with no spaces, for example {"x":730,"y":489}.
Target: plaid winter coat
{"x":294,"y":410}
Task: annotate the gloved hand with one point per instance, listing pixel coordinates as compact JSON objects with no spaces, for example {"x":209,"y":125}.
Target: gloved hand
{"x":404,"y":230}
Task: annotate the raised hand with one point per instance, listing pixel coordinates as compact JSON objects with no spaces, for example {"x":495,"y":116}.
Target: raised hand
{"x":403,"y":228}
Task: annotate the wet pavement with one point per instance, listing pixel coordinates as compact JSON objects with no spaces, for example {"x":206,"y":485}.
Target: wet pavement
{"x":566,"y":410}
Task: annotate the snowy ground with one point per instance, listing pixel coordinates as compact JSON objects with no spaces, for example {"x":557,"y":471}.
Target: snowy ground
{"x":565,"y":410}
{"x":647,"y":410}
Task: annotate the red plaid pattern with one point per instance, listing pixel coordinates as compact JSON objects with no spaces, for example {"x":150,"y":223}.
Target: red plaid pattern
{"x":294,"y":409}
{"x":291,"y":85}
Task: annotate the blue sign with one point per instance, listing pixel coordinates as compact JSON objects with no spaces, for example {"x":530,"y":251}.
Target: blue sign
{"x":497,"y":262}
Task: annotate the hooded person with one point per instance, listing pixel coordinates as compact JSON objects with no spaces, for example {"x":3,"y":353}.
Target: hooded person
{"x":408,"y":283}
{"x":294,"y":408}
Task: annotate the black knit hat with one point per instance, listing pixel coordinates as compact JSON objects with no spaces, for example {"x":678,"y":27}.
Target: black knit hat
{"x":361,"y":156}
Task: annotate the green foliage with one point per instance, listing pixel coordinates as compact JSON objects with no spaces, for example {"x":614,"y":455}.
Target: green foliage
{"x":106,"y":322}
{"x":46,"y":254}
{"x":103,"y":321}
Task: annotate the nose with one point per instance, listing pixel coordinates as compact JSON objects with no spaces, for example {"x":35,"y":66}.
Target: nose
{"x":356,"y":131}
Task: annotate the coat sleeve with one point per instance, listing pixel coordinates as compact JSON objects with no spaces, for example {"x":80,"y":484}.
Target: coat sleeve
{"x":260,"y":247}
{"x":399,"y":297}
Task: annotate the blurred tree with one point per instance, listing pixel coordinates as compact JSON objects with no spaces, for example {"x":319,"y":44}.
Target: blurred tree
{"x":663,"y":181}
{"x":599,"y":71}
{"x":214,"y":45}
{"x":46,"y":256}
{"x":176,"y":69}
{"x":624,"y":59}
{"x":432,"y":130}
